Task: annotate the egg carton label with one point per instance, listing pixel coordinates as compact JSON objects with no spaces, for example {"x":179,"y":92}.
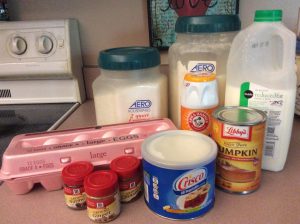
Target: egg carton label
{"x":179,"y":194}
{"x":69,"y":145}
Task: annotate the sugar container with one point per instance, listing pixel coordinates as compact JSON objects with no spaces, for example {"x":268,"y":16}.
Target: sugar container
{"x":202,"y":43}
{"x":130,"y":87}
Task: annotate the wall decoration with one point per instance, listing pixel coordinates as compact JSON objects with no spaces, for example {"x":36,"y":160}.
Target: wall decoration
{"x":163,"y":15}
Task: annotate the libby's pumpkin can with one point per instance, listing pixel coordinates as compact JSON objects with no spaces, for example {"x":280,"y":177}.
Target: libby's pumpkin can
{"x":239,"y":133}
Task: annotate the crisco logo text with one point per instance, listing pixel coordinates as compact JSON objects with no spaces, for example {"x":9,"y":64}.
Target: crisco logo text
{"x":189,"y":179}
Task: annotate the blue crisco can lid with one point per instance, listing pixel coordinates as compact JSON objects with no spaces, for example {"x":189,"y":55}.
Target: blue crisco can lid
{"x":128,"y":58}
{"x":207,"y":24}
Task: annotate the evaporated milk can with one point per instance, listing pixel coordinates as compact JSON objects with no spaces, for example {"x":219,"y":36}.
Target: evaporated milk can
{"x":239,"y":133}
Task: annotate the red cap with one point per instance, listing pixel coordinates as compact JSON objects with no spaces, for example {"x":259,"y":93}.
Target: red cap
{"x":74,"y":173}
{"x":101,"y":183}
{"x":125,"y":166}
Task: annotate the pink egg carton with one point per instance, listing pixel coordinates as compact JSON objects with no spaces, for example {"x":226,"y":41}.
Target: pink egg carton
{"x":40,"y":157}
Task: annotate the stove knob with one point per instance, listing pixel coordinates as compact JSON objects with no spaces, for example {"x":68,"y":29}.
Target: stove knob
{"x":18,"y":45}
{"x":45,"y":44}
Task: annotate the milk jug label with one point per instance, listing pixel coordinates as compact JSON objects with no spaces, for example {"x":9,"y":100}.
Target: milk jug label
{"x":272,"y":103}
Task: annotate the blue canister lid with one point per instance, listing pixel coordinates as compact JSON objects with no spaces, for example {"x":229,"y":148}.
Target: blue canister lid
{"x":128,"y":58}
{"x":207,"y":24}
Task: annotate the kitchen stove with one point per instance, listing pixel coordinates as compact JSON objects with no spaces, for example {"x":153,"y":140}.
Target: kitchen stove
{"x":41,"y":81}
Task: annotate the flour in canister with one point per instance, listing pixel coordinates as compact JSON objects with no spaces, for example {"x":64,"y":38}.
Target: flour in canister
{"x":114,"y":101}
{"x":130,"y":87}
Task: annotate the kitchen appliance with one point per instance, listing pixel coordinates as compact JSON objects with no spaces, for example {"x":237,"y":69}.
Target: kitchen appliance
{"x":41,"y":80}
{"x":40,"y":157}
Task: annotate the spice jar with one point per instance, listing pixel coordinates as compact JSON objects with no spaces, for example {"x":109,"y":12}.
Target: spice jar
{"x":130,"y":87}
{"x":73,"y":176}
{"x":103,"y":197}
{"x":202,"y":45}
{"x":130,"y":177}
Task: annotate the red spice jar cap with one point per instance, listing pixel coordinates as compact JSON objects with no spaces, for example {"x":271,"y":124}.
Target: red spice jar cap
{"x":101,"y":183}
{"x":74,"y":173}
{"x":125,"y":166}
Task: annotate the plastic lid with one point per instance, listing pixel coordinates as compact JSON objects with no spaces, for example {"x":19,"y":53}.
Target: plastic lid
{"x":207,"y":24}
{"x":179,"y":149}
{"x":129,"y":58}
{"x":74,"y":173}
{"x":125,"y":166}
{"x":101,"y":183}
{"x":268,"y":15}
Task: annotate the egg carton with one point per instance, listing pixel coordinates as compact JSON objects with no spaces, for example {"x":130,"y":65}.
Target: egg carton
{"x":40,"y":157}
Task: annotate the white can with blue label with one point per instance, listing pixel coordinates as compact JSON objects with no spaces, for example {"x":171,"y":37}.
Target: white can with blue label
{"x":179,"y":173}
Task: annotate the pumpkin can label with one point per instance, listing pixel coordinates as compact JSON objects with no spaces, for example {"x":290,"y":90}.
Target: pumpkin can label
{"x":239,"y":156}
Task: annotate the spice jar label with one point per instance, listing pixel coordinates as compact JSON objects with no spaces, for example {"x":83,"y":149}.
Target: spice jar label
{"x":130,"y":190}
{"x":75,"y":197}
{"x":103,"y":209}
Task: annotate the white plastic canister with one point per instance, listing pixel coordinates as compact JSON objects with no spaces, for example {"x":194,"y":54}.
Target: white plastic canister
{"x":261,"y":74}
{"x":202,"y":42}
{"x":130,"y":87}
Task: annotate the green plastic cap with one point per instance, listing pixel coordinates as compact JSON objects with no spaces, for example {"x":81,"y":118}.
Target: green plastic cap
{"x":128,"y":58}
{"x":207,"y":24}
{"x":268,"y":15}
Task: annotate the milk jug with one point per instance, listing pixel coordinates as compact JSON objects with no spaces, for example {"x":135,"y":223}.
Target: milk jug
{"x":261,"y":74}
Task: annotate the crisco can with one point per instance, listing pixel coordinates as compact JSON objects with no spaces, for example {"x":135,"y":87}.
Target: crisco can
{"x":239,"y":133}
{"x":179,"y":174}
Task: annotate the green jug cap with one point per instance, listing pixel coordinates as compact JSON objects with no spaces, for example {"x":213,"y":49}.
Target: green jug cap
{"x":268,"y":15}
